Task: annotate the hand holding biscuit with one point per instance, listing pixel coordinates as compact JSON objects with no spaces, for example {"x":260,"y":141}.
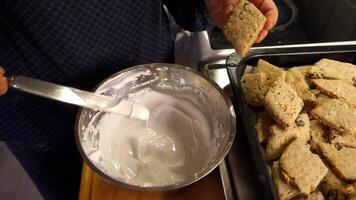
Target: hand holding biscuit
{"x":220,"y":11}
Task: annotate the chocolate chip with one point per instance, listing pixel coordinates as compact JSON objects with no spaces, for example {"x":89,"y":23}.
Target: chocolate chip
{"x":299,"y":122}
{"x":245,"y":5}
{"x":332,"y":195}
{"x":339,"y":133}
{"x":338,"y":146}
{"x":241,"y":16}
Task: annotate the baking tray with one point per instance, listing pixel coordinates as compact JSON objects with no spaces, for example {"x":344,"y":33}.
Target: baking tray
{"x":281,"y":57}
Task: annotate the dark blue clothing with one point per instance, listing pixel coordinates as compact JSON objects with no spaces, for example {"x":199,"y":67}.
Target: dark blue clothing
{"x":76,"y":43}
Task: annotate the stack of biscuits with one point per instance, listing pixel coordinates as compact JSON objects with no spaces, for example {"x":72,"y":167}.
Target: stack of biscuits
{"x":307,"y":127}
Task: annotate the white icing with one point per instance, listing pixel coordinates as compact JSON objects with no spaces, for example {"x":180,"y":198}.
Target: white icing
{"x":130,"y":109}
{"x":172,"y":145}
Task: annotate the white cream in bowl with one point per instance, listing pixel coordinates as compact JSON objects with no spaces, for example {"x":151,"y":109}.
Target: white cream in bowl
{"x":173,"y":145}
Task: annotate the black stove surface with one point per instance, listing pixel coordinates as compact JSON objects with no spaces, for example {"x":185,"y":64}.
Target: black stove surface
{"x":306,"y":21}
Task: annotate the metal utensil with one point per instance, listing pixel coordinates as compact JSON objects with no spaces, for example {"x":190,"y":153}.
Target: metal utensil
{"x":79,"y":97}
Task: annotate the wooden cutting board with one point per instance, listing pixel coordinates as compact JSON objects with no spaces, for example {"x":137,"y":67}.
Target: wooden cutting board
{"x":93,"y":187}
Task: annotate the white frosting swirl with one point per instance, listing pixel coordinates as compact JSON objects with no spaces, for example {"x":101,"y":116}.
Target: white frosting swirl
{"x":170,"y":146}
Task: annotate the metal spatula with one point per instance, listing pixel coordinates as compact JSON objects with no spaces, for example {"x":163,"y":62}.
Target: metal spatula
{"x":79,"y":97}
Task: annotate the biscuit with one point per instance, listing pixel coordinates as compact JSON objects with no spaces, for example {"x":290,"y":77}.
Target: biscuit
{"x":331,"y":184}
{"x":350,"y":191}
{"x":342,"y":161}
{"x":262,"y":126}
{"x":339,"y":89}
{"x":280,"y":138}
{"x":254,"y":87}
{"x":303,"y":70}
{"x":284,"y":191}
{"x":337,"y":115}
{"x":283,"y":104}
{"x":319,"y":134}
{"x":317,"y":195}
{"x":301,"y":167}
{"x":297,"y":81}
{"x":316,"y":92}
{"x":331,"y":69}
{"x":243,"y":26}
{"x":339,"y":139}
{"x":321,"y":99}
{"x":274,"y":73}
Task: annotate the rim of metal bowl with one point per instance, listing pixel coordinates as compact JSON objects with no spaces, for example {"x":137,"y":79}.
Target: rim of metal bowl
{"x":181,"y":184}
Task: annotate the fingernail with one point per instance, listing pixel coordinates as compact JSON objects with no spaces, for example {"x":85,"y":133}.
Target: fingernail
{"x":262,"y":35}
{"x":228,"y":8}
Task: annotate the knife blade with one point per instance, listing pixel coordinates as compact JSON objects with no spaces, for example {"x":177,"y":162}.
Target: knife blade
{"x":79,"y":97}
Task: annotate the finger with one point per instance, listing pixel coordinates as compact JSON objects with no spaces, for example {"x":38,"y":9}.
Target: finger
{"x":215,"y":10}
{"x":266,"y":6}
{"x":272,"y":17}
{"x":261,"y":36}
{"x":229,"y":5}
{"x":216,"y":6}
{"x":3,"y":85}
{"x":228,"y":9}
{"x":226,"y":14}
{"x":230,"y":2}
{"x":269,"y":9}
{"x":257,"y":3}
{"x":270,"y":23}
{"x":220,"y":20}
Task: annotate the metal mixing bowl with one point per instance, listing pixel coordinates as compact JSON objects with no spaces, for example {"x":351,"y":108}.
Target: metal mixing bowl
{"x":209,"y":97}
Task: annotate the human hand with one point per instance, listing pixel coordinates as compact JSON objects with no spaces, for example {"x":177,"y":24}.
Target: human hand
{"x":220,"y":10}
{"x":270,"y":11}
{"x":3,"y":82}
